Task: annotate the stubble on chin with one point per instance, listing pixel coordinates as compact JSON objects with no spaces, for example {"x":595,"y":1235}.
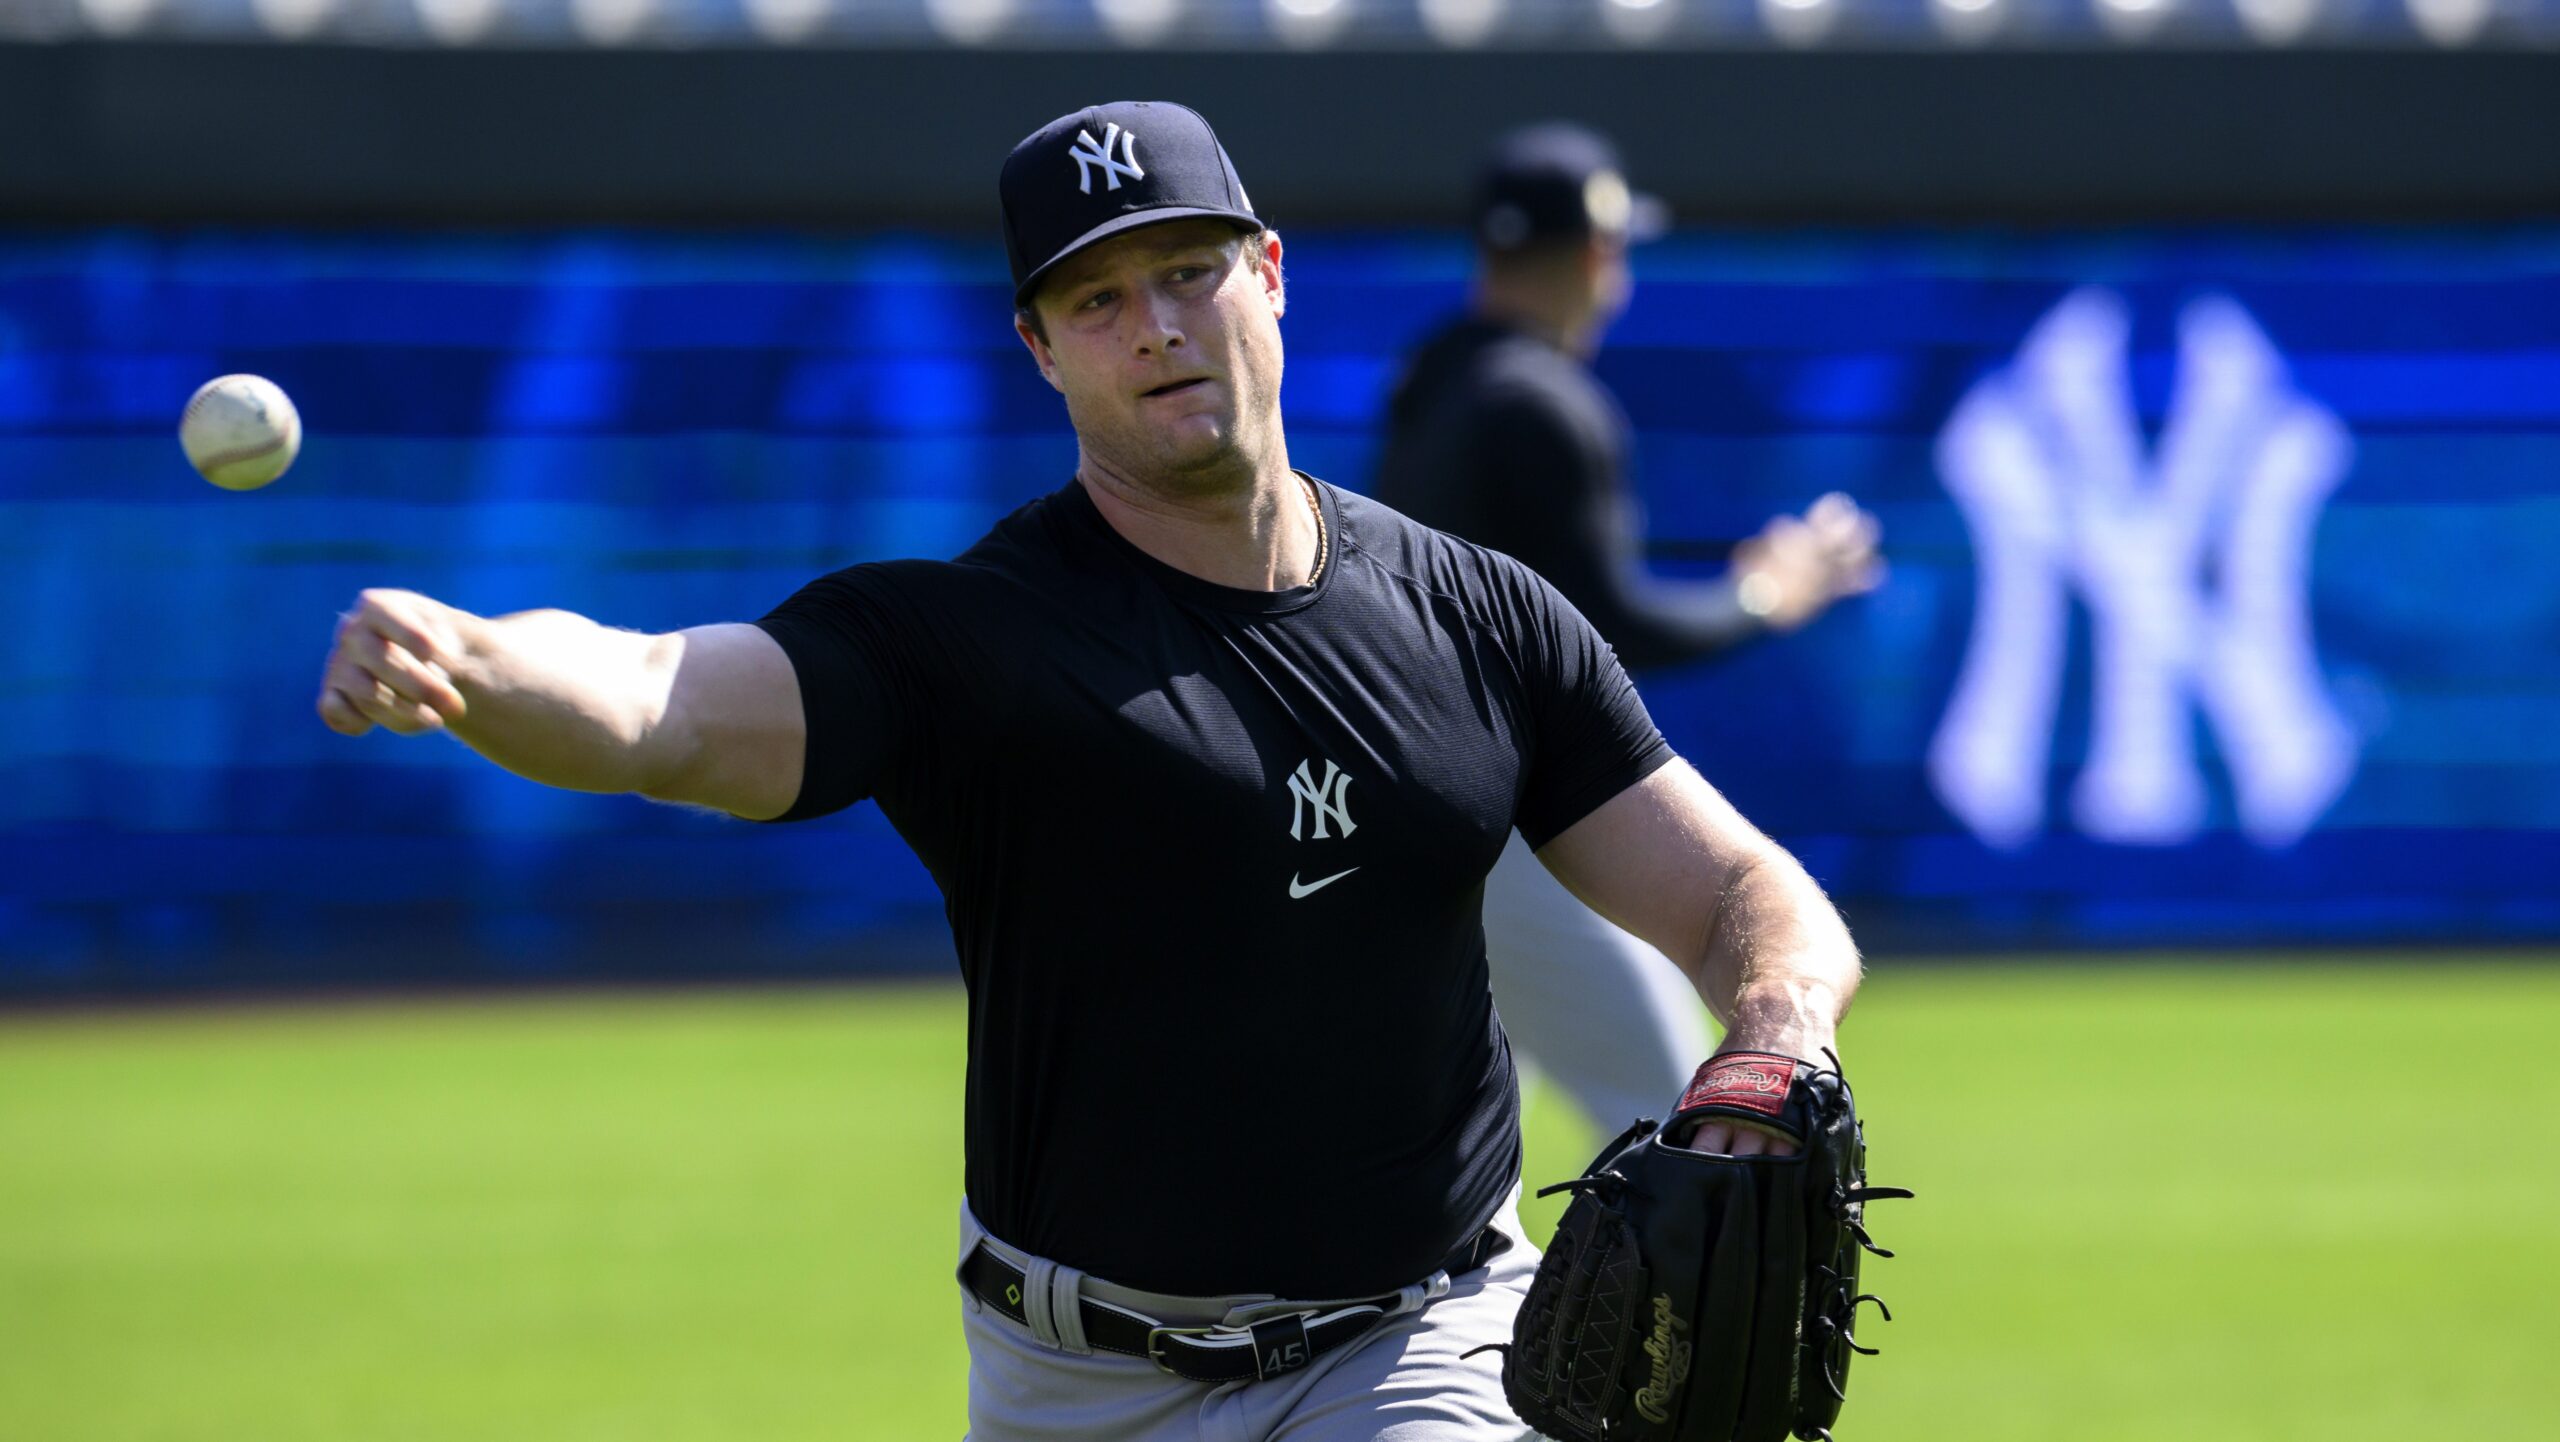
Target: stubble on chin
{"x":1166,"y":460}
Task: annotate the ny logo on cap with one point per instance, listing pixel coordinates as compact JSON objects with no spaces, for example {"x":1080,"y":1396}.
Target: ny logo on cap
{"x":1089,"y":154}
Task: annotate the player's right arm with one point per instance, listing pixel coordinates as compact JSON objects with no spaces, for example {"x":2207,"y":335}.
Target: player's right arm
{"x":709,"y":716}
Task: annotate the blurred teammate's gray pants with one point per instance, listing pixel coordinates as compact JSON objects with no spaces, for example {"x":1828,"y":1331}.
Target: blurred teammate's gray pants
{"x":1600,"y":1013}
{"x":1404,"y":1382}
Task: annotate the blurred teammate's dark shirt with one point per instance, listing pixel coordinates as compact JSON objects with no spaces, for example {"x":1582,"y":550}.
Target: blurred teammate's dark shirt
{"x":1229,"y":1028}
{"x":1503,"y":438}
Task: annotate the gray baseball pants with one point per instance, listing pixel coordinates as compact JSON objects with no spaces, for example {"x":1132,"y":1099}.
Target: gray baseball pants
{"x":1403,"y":1382}
{"x":1597,"y":1011}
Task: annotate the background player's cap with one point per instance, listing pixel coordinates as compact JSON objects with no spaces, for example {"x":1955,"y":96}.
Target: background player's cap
{"x":1108,"y":168}
{"x":1559,"y":181}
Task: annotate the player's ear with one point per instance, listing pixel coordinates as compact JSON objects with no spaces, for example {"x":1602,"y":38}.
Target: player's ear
{"x":1026,"y":324}
{"x":1268,"y":268}
{"x":1595,"y":262}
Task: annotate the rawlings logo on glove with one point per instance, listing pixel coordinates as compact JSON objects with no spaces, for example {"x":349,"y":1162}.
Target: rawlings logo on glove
{"x":1670,"y":1362}
{"x":1752,"y":1081}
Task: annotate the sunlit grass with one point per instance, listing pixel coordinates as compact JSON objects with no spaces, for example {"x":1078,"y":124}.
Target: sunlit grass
{"x":2170,"y":1201}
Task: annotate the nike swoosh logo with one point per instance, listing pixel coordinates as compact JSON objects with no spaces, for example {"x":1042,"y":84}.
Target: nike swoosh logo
{"x":1298,"y":888}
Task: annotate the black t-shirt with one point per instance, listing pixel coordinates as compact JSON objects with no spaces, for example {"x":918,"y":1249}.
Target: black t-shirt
{"x":1502,"y":438}
{"x":1213,"y":861}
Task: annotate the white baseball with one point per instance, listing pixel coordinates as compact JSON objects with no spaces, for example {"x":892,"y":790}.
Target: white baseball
{"x":240,"y":432}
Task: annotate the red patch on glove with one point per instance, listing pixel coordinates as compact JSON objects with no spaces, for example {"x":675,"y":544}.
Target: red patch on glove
{"x":1746,"y":1081}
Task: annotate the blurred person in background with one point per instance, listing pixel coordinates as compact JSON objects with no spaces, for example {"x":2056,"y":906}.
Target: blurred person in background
{"x":1500,"y":433}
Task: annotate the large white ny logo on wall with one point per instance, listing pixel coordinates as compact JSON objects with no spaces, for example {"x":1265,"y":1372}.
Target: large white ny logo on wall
{"x":2194,"y":562}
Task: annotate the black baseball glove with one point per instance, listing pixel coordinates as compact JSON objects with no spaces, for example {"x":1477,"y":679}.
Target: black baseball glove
{"x":1689,"y":1297}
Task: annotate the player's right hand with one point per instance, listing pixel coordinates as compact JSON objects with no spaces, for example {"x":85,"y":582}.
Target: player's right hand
{"x":392,"y":666}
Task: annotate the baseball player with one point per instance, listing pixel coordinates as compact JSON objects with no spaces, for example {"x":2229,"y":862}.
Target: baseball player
{"x":1210,"y":760}
{"x":1499,"y":433}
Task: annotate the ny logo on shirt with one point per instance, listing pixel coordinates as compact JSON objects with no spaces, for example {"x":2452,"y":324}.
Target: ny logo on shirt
{"x":1089,"y":153}
{"x":1330,"y":799}
{"x":2194,"y":563}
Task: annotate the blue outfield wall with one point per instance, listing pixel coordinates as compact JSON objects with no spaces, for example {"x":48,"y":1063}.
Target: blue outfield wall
{"x":2221,"y":607}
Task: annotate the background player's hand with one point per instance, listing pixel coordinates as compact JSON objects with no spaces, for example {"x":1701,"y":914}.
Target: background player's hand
{"x":391,"y":666}
{"x":1798,"y":565}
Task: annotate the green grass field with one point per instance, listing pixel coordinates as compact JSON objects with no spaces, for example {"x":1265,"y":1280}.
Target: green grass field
{"x":2163,"y":1201}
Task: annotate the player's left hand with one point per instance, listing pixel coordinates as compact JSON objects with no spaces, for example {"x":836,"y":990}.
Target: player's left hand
{"x":1775,"y":1026}
{"x":1719,"y":1137}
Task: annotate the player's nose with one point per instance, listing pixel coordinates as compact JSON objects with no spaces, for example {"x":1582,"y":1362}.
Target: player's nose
{"x":1159,"y":325}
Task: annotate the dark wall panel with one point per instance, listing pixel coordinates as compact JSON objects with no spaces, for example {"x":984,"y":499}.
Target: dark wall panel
{"x":914,"y":137}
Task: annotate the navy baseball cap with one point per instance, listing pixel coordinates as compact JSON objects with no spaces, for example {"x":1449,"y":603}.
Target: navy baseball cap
{"x":1559,"y":182}
{"x":1096,"y":172}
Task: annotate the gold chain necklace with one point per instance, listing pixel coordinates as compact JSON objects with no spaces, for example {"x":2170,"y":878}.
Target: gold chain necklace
{"x":1324,"y":542}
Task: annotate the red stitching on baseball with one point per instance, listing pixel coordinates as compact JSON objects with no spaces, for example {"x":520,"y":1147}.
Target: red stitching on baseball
{"x":220,"y":459}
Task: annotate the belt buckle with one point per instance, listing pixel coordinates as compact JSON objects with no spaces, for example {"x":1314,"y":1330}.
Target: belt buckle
{"x":1155,"y":1344}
